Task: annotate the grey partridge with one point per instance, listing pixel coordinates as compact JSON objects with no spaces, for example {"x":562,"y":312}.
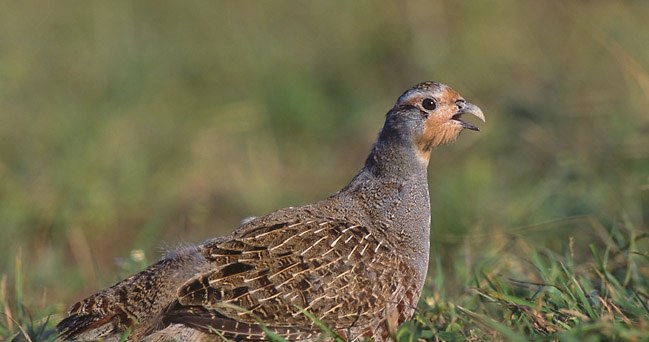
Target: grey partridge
{"x":356,"y":261}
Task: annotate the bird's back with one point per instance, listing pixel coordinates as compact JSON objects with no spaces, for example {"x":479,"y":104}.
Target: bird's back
{"x":273,"y":269}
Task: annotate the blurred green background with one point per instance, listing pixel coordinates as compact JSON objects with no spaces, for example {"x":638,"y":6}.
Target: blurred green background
{"x":128,"y":126}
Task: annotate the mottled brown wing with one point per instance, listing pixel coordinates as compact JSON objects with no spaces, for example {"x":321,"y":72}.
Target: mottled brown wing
{"x":343,"y":273}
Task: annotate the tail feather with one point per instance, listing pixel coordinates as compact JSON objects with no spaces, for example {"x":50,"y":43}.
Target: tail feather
{"x":135,"y":302}
{"x":101,"y":315}
{"x":87,"y":327}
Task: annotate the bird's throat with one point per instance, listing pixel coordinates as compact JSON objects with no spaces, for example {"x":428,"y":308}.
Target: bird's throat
{"x":397,"y":161}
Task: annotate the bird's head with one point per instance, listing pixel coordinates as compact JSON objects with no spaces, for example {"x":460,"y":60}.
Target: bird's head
{"x":428,"y":115}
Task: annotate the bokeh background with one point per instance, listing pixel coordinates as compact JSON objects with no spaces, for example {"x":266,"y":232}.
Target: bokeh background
{"x":128,"y":128}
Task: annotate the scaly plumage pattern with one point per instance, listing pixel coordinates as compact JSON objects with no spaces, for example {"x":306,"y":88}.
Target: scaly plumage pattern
{"x":356,"y":261}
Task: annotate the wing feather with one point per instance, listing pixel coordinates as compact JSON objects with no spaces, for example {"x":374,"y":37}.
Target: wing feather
{"x":266,"y":274}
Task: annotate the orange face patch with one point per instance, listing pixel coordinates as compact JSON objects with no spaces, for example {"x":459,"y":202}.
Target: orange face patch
{"x":439,"y":129}
{"x":436,"y":134}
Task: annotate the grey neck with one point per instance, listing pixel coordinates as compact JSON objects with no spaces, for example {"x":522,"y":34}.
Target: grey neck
{"x":392,"y":190}
{"x":395,"y":160}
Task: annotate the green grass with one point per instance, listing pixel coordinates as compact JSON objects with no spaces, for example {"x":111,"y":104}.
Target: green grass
{"x":525,"y":292}
{"x":517,"y":292}
{"x":21,"y":320}
{"x":128,"y":129}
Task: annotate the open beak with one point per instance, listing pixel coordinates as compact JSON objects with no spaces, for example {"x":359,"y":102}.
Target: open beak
{"x":468,"y":108}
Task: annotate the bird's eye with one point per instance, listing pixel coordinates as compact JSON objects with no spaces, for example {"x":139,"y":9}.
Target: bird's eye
{"x":429,"y":104}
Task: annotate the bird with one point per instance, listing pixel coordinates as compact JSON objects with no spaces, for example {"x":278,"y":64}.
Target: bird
{"x":354,"y":262}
